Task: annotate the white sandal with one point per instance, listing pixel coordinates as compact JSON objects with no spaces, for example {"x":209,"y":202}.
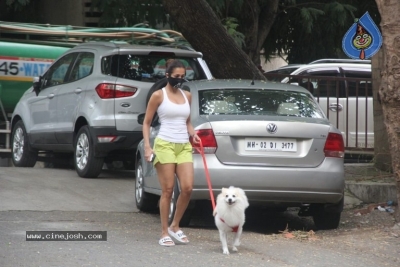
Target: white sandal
{"x":178,"y":236}
{"x":166,"y":242}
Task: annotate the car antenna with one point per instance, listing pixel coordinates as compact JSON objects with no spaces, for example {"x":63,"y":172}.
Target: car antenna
{"x":252,"y":82}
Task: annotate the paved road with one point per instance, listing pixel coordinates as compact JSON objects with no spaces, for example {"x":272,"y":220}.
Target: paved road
{"x":42,"y":189}
{"x":55,"y":199}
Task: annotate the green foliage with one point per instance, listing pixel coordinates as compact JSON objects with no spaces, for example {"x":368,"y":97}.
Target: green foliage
{"x":308,"y":16}
{"x":224,"y":8}
{"x":17,"y":4}
{"x":230,"y":25}
{"x":127,"y":13}
{"x":306,"y":30}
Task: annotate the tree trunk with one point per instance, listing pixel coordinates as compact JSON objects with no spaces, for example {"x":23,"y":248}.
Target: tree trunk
{"x":389,"y":90}
{"x":203,"y":30}
{"x":382,"y":158}
{"x":255,"y":22}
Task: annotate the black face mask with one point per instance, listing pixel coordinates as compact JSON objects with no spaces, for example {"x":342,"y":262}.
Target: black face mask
{"x":175,"y":82}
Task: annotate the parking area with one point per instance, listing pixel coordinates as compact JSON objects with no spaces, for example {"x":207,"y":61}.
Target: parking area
{"x":45,"y":199}
{"x":47,"y":189}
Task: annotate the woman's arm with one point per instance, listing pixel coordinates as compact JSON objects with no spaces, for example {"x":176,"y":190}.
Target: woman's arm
{"x":152,"y":106}
{"x":190,"y":129}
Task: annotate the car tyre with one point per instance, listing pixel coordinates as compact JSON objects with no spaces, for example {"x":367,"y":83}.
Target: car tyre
{"x":327,"y":219}
{"x":86,"y":164}
{"x":22,"y":154}
{"x":187,"y":216}
{"x":144,"y":201}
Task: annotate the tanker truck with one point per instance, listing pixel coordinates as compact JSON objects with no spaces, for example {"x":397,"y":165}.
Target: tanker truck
{"x":27,"y":51}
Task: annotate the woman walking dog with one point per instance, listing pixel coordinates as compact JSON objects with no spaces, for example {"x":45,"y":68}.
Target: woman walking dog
{"x":172,"y":149}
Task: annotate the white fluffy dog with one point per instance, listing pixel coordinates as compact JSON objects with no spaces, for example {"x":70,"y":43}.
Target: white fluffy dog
{"x":229,"y":215}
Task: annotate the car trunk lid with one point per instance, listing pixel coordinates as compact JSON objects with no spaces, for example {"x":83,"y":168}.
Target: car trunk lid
{"x":274,"y":143}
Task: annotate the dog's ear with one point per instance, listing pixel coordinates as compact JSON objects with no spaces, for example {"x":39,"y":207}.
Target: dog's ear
{"x":224,"y":190}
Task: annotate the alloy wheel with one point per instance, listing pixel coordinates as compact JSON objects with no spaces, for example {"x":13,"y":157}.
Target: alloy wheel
{"x":172,"y":207}
{"x":18,"y":144}
{"x":82,"y":151}
{"x":139,"y":183}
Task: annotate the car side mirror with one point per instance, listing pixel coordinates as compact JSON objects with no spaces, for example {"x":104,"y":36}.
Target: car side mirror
{"x":37,"y":83}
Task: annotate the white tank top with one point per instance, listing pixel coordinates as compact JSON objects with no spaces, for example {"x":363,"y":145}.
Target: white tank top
{"x":173,"y":119}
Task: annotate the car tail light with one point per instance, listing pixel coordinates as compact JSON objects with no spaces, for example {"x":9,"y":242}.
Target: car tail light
{"x":334,"y":146}
{"x":207,"y":139}
{"x":110,"y":90}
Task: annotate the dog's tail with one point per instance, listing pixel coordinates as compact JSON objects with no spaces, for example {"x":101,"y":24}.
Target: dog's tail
{"x":243,"y":196}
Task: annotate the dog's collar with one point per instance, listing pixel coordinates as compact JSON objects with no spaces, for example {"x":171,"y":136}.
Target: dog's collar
{"x":234,"y":229}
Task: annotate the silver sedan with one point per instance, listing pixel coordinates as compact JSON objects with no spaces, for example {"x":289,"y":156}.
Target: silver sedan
{"x":270,"y":139}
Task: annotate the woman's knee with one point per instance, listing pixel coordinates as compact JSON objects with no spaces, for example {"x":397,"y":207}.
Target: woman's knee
{"x":186,"y":190}
{"x":167,"y":192}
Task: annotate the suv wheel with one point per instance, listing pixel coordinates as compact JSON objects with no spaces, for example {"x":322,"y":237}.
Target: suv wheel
{"x":22,"y":155}
{"x":144,"y":201}
{"x":86,"y":165}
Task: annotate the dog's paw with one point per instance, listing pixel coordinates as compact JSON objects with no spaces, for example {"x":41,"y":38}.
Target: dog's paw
{"x":225,"y":251}
{"x":234,"y":248}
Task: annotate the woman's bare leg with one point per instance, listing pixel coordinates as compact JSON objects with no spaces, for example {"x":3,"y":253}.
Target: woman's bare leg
{"x":185,"y":175}
{"x":166,"y":177}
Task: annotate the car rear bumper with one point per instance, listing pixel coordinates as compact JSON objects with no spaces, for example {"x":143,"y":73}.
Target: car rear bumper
{"x":124,"y":140}
{"x":275,"y":185}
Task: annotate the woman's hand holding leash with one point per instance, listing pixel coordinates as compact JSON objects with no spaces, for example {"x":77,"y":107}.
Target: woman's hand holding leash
{"x":196,"y":139}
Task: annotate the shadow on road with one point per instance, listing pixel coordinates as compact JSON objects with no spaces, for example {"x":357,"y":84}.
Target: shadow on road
{"x":258,"y":220}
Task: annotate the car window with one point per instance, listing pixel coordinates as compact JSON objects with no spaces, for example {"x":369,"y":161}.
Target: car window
{"x":279,"y":74}
{"x":147,"y":68}
{"x":258,"y":102}
{"x":83,"y":66}
{"x":323,"y":83}
{"x":57,"y":72}
{"x":361,"y":84}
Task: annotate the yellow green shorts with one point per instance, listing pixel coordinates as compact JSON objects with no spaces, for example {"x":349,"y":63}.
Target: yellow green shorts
{"x":168,"y":152}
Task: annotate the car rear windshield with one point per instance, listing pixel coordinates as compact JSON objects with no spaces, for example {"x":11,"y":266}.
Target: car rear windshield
{"x":258,"y":102}
{"x":147,"y":68}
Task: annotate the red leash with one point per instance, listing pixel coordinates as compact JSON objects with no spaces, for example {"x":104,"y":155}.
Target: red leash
{"x":201,"y":151}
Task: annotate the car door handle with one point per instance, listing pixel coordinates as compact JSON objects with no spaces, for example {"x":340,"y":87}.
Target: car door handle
{"x":78,"y":91}
{"x":335,"y":107}
{"x":50,"y":96}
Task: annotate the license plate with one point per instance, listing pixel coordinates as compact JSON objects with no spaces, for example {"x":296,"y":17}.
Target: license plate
{"x":271,"y":144}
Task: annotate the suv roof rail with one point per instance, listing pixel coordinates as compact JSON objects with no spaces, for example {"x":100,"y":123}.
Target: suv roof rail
{"x":101,"y":43}
{"x":31,"y":32}
{"x":341,"y":60}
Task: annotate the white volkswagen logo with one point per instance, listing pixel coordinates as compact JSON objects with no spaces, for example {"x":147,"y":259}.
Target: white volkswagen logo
{"x":272,"y":128}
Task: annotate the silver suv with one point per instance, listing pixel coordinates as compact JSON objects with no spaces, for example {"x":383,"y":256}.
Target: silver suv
{"x":88,"y":101}
{"x":343,"y":89}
